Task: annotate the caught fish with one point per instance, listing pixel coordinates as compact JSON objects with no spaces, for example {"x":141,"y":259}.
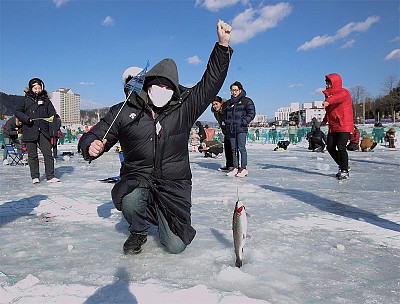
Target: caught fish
{"x":239,"y":227}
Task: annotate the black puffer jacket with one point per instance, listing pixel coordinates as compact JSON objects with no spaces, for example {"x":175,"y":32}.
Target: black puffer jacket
{"x":35,"y":106}
{"x":239,"y":112}
{"x":155,"y":149}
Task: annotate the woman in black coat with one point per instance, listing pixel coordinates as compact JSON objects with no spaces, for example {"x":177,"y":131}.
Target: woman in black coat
{"x":153,"y":129}
{"x":36,"y":112}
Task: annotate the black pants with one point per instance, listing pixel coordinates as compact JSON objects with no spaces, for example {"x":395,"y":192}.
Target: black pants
{"x":33,"y":160}
{"x":228,"y":152}
{"x":336,"y":146}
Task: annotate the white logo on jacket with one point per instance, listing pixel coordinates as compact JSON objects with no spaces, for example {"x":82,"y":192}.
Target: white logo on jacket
{"x":132,"y":115}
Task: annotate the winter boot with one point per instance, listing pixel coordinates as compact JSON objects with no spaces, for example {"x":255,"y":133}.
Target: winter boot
{"x":133,"y":244}
{"x":344,"y":174}
{"x":340,"y":171}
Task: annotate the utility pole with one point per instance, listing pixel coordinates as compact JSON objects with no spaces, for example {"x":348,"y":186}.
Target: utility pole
{"x":364,"y":111}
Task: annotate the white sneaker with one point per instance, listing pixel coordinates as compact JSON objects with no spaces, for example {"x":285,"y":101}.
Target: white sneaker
{"x":242,"y":173}
{"x":53,"y":180}
{"x":5,"y":162}
{"x":35,"y":181}
{"x":232,"y":173}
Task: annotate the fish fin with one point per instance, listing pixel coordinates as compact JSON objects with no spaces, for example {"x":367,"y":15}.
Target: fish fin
{"x":248,"y":214}
{"x":248,"y":236}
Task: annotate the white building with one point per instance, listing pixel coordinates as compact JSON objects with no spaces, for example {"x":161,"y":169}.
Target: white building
{"x":317,"y":104}
{"x":309,"y":110}
{"x":260,"y":120}
{"x":68,"y":106}
{"x":318,"y":113}
{"x":295,"y":106}
{"x":282,"y":114}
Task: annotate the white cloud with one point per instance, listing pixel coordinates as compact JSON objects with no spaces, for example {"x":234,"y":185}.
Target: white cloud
{"x":395,"y":54}
{"x":249,"y":23}
{"x":317,"y":41}
{"x":356,"y":27}
{"x":295,"y":85}
{"x":318,"y":91}
{"x":348,"y":44}
{"x":108,"y":21}
{"x":189,"y":85}
{"x":195,"y":60}
{"x":86,"y":83}
{"x":342,"y":33}
{"x":60,"y":3}
{"x":395,"y":39}
{"x":216,"y":5}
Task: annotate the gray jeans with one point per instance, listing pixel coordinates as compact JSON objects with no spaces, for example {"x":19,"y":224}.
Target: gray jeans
{"x":134,"y":209}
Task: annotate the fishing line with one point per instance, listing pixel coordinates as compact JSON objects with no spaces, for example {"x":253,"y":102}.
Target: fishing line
{"x":133,"y":85}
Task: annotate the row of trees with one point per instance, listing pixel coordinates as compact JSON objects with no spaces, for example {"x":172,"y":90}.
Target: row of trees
{"x":92,"y":116}
{"x":385,"y":106}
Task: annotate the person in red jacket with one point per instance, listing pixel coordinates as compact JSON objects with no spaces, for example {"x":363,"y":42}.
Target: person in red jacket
{"x":339,"y":116}
{"x":354,"y":144}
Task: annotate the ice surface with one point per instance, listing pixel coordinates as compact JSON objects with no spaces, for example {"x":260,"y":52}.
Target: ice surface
{"x":313,"y":239}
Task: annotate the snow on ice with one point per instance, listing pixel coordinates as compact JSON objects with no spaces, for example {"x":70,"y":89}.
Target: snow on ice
{"x":313,"y":239}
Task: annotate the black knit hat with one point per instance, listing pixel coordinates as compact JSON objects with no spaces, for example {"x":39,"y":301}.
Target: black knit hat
{"x":35,"y":81}
{"x":158,"y":81}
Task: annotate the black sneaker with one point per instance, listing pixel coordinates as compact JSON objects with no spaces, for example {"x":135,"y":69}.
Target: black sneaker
{"x":133,"y":244}
{"x":224,"y":169}
{"x":344,"y":174}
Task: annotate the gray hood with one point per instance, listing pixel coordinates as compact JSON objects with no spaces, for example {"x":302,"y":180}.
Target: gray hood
{"x":165,"y":68}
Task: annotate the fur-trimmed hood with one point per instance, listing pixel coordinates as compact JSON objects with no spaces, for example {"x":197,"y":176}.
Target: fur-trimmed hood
{"x":29,"y":93}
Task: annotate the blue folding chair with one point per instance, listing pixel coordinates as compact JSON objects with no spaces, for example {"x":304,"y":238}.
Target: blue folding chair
{"x":17,"y":157}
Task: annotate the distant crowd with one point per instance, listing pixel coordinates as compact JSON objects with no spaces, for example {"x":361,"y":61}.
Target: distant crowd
{"x":364,"y":137}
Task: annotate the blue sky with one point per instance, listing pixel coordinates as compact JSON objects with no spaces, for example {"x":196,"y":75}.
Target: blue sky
{"x":282,"y":49}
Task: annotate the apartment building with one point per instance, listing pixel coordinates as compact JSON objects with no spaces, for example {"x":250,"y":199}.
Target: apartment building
{"x":68,"y":106}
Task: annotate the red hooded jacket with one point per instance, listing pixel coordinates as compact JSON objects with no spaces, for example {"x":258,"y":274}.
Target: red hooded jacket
{"x":339,"y":113}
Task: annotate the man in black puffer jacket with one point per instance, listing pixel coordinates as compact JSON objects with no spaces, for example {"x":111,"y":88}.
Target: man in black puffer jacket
{"x":153,"y":129}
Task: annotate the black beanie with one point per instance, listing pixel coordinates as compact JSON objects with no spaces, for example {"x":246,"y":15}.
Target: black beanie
{"x":35,"y":81}
{"x":157,"y":81}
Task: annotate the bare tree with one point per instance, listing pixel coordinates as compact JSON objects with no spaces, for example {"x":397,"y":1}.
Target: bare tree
{"x":392,"y":98}
{"x":359,"y":95}
{"x":388,"y":84}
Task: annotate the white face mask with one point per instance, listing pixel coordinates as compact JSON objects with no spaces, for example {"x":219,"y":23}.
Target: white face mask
{"x":159,"y":96}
